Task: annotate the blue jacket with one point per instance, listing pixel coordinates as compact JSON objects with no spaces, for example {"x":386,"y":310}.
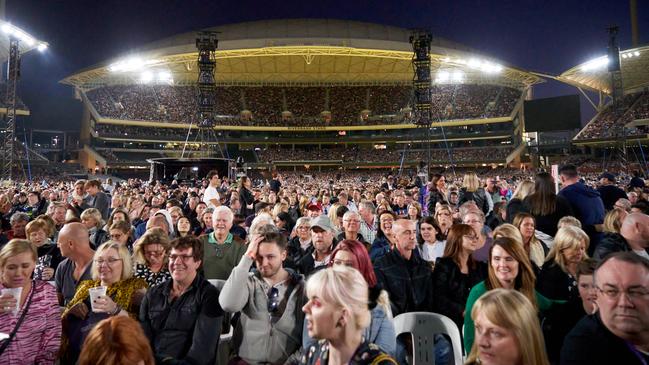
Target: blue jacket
{"x":588,"y":207}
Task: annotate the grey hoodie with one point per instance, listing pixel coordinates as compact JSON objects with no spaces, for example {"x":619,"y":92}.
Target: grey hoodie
{"x":256,"y":339}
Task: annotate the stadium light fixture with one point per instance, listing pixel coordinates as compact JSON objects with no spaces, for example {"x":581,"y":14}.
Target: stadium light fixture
{"x":636,"y":53}
{"x":595,"y":64}
{"x":146,"y":77}
{"x":13,"y":31}
{"x":131,"y":64}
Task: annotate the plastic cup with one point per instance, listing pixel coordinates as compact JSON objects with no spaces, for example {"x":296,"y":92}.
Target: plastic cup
{"x":95,"y":293}
{"x":16,"y":293}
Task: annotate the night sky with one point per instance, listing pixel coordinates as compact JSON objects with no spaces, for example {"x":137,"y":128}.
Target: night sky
{"x":544,"y":36}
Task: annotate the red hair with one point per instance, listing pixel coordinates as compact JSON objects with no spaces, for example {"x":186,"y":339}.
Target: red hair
{"x":359,"y":251}
{"x":117,"y":340}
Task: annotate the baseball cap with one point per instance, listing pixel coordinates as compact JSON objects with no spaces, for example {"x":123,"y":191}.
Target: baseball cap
{"x":608,"y":176}
{"x":322,"y":222}
{"x":313,"y":206}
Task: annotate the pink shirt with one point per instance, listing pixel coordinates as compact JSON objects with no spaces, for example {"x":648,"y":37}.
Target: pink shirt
{"x":39,"y":337}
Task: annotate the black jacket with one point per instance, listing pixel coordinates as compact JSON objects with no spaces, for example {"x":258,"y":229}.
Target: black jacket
{"x":611,"y":243}
{"x":479,"y":197}
{"x":548,"y":223}
{"x":186,"y":330}
{"x":610,"y":194}
{"x":514,"y":207}
{"x":452,"y":287}
{"x":433,"y":198}
{"x":591,"y":343}
{"x":246,"y":198}
{"x":554,"y":283}
{"x":408,"y":282}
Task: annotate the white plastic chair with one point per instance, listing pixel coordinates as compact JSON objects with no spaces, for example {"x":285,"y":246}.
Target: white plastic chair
{"x":225,"y":343}
{"x":218,"y":283}
{"x":423,"y":326}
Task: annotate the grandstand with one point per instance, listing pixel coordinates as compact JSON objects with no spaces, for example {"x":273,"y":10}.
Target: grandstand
{"x":593,"y":76}
{"x":299,"y":92}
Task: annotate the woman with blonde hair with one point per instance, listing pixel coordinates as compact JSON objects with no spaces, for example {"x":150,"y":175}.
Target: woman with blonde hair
{"x":337,"y":315}
{"x":509,"y":231}
{"x":558,"y":277}
{"x":473,"y":190}
{"x":507,"y":331}
{"x":510,"y":268}
{"x":117,"y":341}
{"x":91,"y":218}
{"x":111,"y":268}
{"x":37,"y":338}
{"x":558,"y":280}
{"x":535,"y":249}
{"x":613,"y":220}
{"x":515,"y":204}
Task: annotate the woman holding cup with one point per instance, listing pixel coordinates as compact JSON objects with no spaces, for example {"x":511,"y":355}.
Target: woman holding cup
{"x":28,"y":309}
{"x":113,"y":291}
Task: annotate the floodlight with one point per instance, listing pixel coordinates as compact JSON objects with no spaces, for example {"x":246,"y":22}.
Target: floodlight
{"x":146,"y":77}
{"x":458,"y":76}
{"x":636,"y":53}
{"x":624,"y":55}
{"x":595,"y":64}
{"x":443,"y":76}
{"x":474,"y":63}
{"x":164,"y":76}
{"x":42,"y":47}
{"x":6,"y":28}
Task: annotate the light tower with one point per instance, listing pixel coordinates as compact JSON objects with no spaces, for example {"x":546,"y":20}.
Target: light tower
{"x":19,"y":42}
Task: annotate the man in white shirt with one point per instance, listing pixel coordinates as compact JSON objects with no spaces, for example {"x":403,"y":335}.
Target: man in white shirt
{"x":211,"y":196}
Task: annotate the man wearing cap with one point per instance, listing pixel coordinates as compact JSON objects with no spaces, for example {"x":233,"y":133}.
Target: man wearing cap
{"x":317,"y":256}
{"x":313,"y":210}
{"x":609,"y":192}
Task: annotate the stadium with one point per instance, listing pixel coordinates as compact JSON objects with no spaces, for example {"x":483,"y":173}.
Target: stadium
{"x":303,"y":94}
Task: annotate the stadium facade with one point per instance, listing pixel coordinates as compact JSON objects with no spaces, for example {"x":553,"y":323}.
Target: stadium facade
{"x":303,"y":93}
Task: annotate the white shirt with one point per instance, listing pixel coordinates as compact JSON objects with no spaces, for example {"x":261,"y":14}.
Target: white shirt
{"x":431,"y":251}
{"x":642,"y":253}
{"x":211,"y":193}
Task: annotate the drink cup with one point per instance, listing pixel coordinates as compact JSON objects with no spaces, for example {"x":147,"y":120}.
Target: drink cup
{"x":95,"y":293}
{"x":16,"y":293}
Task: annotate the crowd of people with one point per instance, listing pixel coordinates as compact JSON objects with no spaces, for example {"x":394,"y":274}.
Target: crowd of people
{"x":606,"y":124}
{"x":300,"y":106}
{"x":314,"y":268}
{"x":357,"y":154}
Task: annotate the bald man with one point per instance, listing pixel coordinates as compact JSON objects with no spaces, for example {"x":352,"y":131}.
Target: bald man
{"x":75,"y":246}
{"x":633,"y":236}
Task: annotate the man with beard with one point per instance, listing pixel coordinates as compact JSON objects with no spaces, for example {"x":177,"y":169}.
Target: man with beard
{"x":270,"y":301}
{"x":618,"y":333}
{"x":322,"y":244}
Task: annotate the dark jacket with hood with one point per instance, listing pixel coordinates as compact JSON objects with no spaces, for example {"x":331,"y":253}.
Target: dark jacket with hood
{"x":588,"y":207}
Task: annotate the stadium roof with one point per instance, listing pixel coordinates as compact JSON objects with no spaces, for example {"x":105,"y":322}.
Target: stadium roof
{"x":26,"y":41}
{"x":593,"y":75}
{"x":302,"y":51}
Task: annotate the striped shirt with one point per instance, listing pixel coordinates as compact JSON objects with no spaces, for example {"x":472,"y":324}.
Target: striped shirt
{"x":39,"y":337}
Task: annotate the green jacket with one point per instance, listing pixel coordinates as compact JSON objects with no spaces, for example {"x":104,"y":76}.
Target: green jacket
{"x":478,"y":290}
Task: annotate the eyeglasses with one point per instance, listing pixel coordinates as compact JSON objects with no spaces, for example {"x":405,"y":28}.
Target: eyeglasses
{"x":110,"y":262}
{"x":472,"y":238}
{"x":351,"y":221}
{"x":182,"y":258}
{"x":116,"y":236}
{"x":633,"y":294}
{"x":273,"y":300}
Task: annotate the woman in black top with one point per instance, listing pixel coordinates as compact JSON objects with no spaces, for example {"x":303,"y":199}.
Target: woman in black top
{"x":457,"y":272}
{"x":545,"y":205}
{"x":437,"y":193}
{"x":246,"y":196}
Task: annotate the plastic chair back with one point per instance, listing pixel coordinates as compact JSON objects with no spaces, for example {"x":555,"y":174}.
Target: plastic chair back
{"x":423,"y":326}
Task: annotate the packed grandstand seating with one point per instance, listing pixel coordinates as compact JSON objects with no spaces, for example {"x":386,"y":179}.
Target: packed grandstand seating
{"x":300,"y":106}
{"x":363,"y":155}
{"x":635,"y":106}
